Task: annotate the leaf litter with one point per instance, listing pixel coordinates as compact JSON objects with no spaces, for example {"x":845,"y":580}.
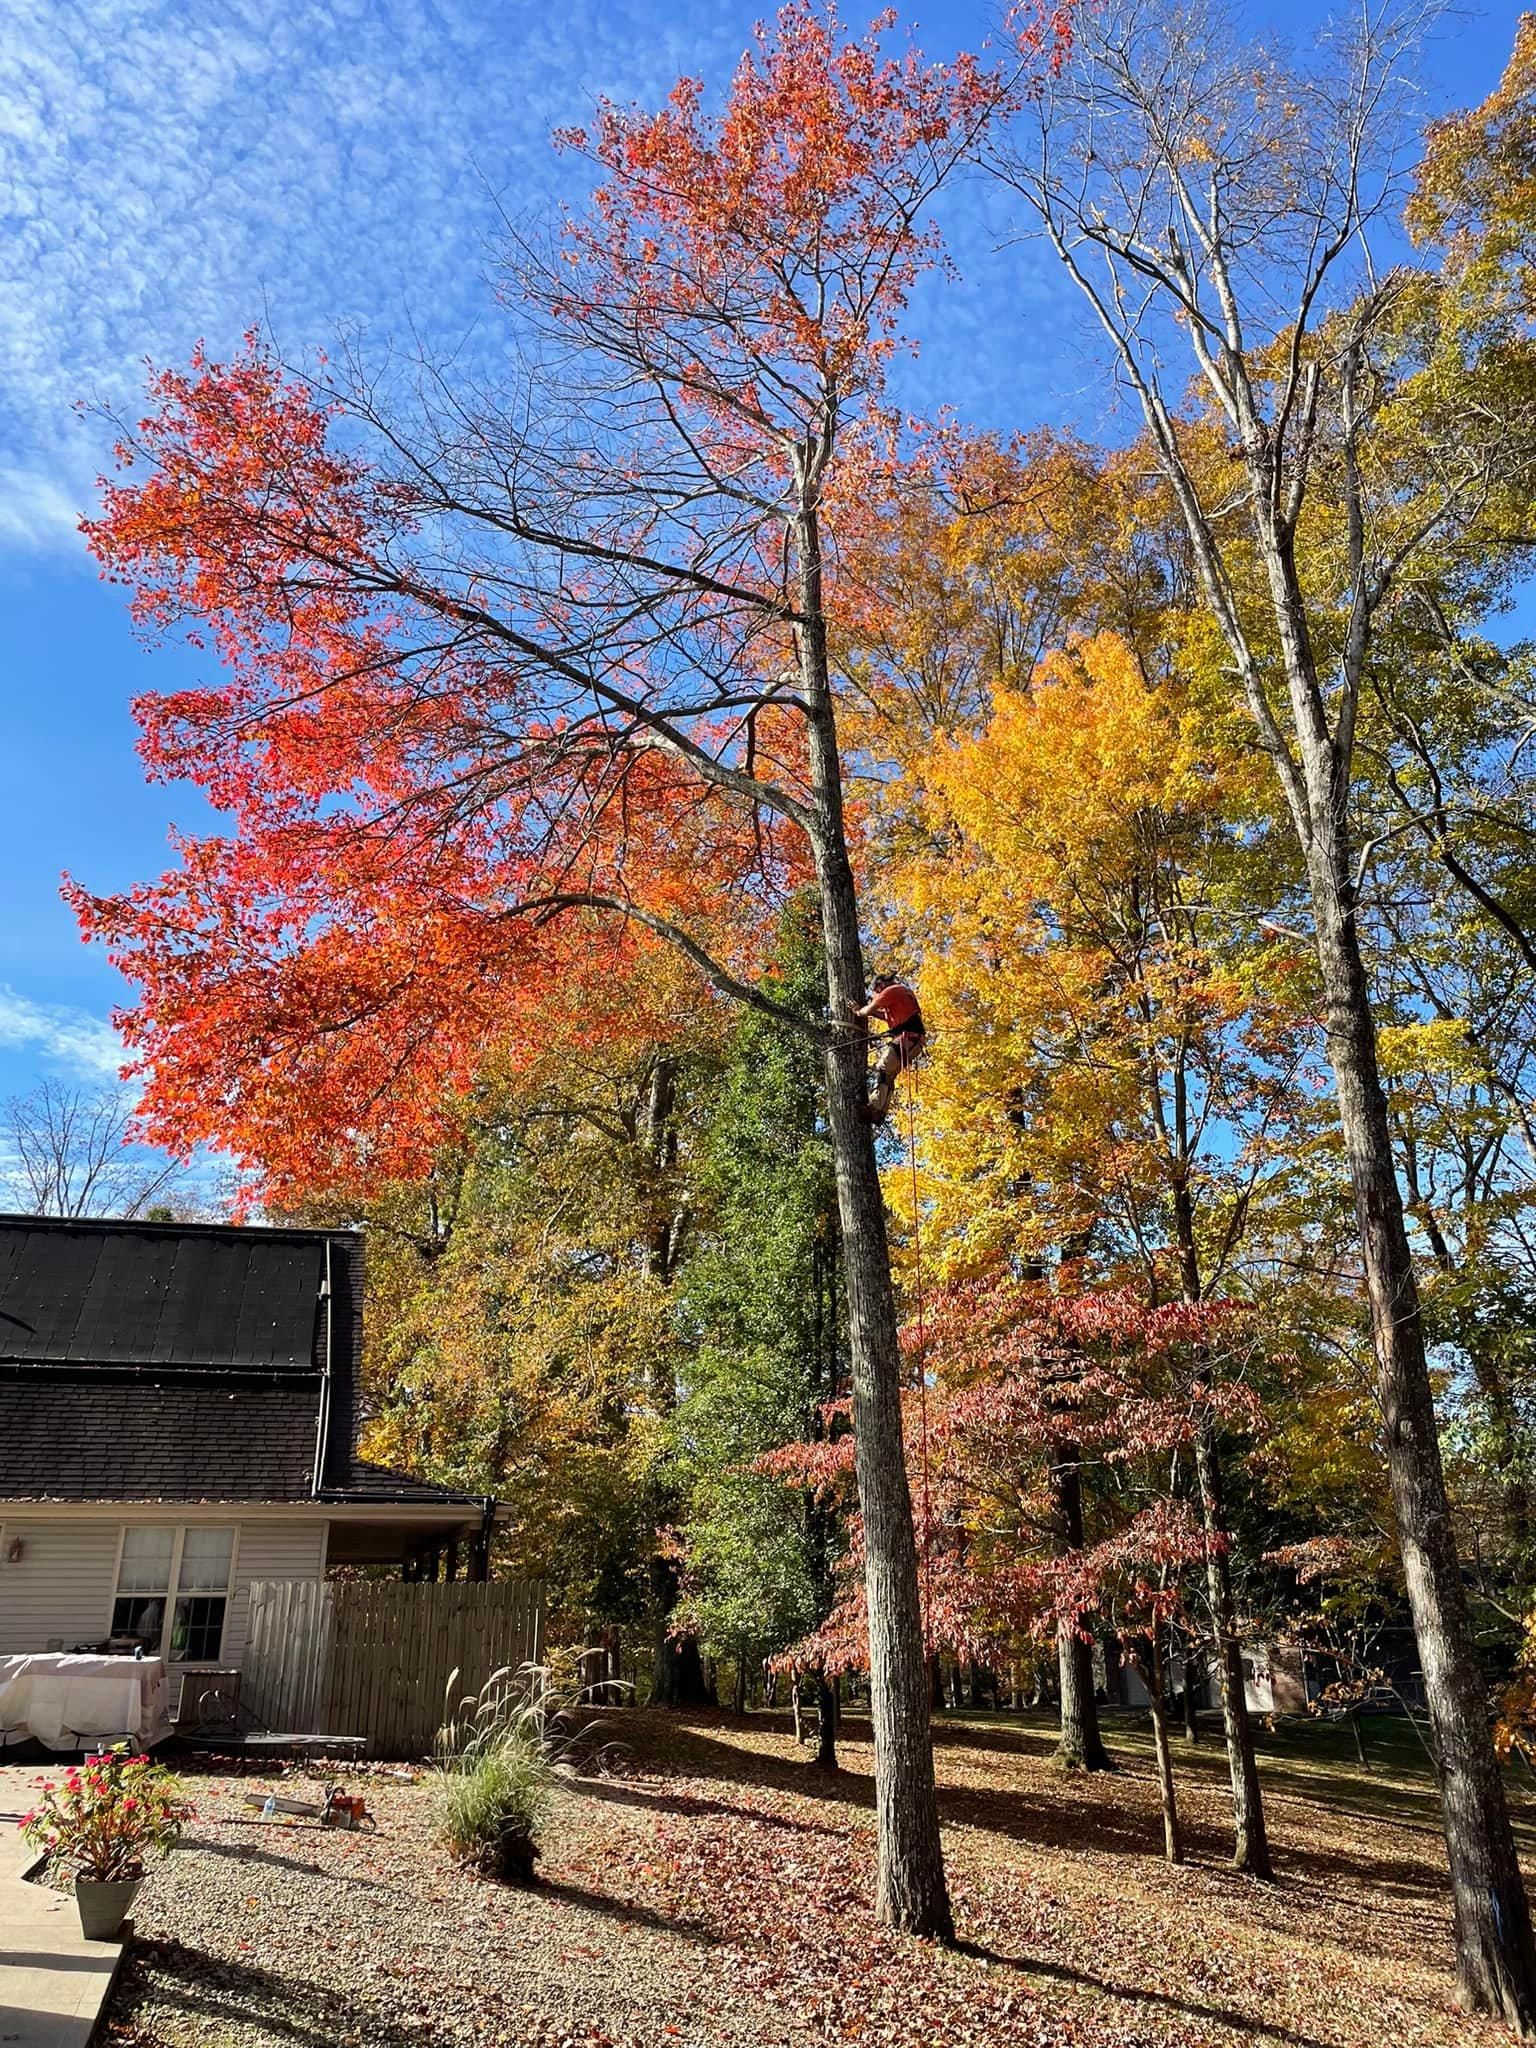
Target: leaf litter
{"x":717,"y":1890}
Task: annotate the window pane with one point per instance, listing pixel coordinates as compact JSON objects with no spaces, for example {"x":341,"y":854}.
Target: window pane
{"x":138,"y":1620}
{"x":146,"y":1566}
{"x":199,"y":1630}
{"x":205,"y":1556}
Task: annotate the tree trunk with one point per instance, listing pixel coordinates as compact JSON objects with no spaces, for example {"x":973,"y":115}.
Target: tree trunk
{"x":740,"y":1701}
{"x":1194,"y":1680}
{"x":1354,"y":1729}
{"x":677,"y":1670}
{"x":1250,"y":1850}
{"x":911,"y":1894}
{"x":1114,"y":1676}
{"x":1173,"y":1838}
{"x":1080,"y":1746}
{"x":826,"y":1725}
{"x":1496,"y":1962}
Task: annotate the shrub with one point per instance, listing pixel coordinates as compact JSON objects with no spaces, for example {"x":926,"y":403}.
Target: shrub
{"x":104,"y":1820}
{"x":490,"y":1806}
{"x":496,"y":1759}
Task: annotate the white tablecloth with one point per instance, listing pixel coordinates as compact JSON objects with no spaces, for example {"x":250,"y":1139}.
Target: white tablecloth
{"x":66,"y":1701}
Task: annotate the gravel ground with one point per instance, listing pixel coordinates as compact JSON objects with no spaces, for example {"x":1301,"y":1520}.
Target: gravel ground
{"x":715,"y":1894}
{"x":264,"y":1932}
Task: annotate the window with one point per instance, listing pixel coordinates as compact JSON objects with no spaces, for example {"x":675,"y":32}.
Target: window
{"x":143,"y":1585}
{"x":202,"y":1589}
{"x":182,"y":1574}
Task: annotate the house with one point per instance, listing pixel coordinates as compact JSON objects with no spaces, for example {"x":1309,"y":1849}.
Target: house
{"x":178,"y":1410}
{"x":1274,"y":1681}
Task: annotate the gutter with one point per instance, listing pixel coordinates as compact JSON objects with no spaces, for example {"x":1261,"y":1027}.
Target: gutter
{"x":323,"y":1422}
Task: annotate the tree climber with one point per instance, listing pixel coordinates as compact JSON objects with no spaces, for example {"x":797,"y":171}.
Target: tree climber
{"x":898,"y":1010}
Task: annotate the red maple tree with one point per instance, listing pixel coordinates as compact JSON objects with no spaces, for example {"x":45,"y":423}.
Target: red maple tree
{"x":512,"y":684}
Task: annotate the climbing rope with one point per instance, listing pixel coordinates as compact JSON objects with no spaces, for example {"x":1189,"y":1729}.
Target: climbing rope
{"x":922,"y":1351}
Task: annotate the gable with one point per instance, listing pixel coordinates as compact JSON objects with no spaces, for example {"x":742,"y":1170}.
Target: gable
{"x":183,"y":1362}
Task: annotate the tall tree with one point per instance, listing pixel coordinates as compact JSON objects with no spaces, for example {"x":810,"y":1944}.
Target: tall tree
{"x":764,"y":1322}
{"x":1208,"y":195}
{"x":563,"y":654}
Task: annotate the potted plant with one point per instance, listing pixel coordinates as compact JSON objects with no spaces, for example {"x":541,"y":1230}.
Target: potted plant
{"x":104,"y":1821}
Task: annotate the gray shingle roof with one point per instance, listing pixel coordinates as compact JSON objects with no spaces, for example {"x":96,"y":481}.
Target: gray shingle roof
{"x":181,"y":1362}
{"x":71,"y":1437}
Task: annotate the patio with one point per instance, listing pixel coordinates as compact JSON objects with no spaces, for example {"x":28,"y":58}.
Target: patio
{"x":53,"y":1984}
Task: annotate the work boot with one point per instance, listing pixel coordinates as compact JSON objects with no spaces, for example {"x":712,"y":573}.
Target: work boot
{"x":878,"y":1106}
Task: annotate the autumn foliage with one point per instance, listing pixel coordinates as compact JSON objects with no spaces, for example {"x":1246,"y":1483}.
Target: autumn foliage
{"x":483,"y":730}
{"x":1011,"y":1372}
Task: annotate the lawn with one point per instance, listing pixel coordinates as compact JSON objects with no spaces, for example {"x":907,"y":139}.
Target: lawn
{"x":716,"y":1890}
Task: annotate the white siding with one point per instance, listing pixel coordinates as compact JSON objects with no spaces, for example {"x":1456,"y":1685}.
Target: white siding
{"x":269,"y":1550}
{"x":62,"y":1587}
{"x":60,"y":1590}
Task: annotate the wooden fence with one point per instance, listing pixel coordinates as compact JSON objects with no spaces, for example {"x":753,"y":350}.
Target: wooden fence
{"x":287,"y":1656}
{"x":355,"y":1657}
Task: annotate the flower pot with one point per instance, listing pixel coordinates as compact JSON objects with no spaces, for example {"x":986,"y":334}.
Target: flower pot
{"x":105,"y":1906}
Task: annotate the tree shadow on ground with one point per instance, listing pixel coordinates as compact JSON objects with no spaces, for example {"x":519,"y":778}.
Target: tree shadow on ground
{"x":606,"y":1907}
{"x":1246,"y":2025}
{"x":692,"y":1749}
{"x":217,"y":1992}
{"x":1086,"y":1814}
{"x":248,"y":1852}
{"x":1006,"y":1738}
{"x":1086,"y":1823}
{"x":629,"y":1792}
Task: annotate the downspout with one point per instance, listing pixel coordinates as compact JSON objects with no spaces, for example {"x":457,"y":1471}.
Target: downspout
{"x":483,"y":1541}
{"x":323,"y":1421}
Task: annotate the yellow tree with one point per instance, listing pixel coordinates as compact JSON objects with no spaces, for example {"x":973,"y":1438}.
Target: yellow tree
{"x":1116,"y":1022}
{"x":1225,"y":214}
{"x":1120,"y":1047}
{"x":1476,"y":191}
{"x":985,"y":556}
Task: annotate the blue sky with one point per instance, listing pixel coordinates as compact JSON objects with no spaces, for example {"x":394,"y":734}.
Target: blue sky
{"x":173,"y":171}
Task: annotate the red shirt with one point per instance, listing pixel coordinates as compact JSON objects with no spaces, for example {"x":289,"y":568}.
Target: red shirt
{"x":896,"y":1006}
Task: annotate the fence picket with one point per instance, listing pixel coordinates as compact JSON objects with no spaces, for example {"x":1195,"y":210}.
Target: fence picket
{"x":353,"y":1657}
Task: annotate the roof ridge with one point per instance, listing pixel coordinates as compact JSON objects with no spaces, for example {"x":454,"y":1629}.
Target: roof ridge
{"x":101,"y":1224}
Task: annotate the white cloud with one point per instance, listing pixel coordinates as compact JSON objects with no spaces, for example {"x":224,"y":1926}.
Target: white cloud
{"x":71,"y":1038}
{"x":37,"y":511}
{"x":175,"y":172}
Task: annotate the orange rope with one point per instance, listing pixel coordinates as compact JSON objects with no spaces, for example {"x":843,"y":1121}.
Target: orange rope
{"x":922,"y":1346}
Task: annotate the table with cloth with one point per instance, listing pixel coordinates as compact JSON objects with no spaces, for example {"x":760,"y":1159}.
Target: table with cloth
{"x":73,"y":1700}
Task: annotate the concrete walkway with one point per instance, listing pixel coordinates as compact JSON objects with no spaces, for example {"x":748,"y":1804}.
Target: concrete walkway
{"x":53,"y":1984}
